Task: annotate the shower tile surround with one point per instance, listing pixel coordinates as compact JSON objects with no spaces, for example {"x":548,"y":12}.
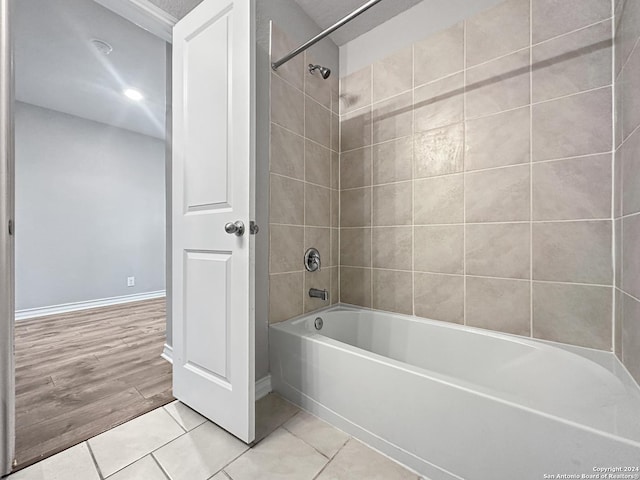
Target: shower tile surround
{"x":476,"y":176}
{"x":627,"y":184}
{"x":304,"y":195}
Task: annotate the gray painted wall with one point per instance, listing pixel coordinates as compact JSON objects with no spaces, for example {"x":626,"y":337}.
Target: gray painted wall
{"x":299,"y":27}
{"x":80,"y":235}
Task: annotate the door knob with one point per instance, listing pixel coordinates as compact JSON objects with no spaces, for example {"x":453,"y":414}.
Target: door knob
{"x":235,"y":227}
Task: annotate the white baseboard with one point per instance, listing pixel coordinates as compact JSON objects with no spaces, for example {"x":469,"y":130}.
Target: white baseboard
{"x":72,"y":307}
{"x":263,"y":387}
{"x":167,"y":353}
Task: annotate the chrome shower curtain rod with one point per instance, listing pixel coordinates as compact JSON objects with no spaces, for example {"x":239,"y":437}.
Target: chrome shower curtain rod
{"x":324,"y":33}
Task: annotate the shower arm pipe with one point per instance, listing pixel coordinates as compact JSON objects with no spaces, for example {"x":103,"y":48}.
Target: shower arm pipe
{"x":324,"y":33}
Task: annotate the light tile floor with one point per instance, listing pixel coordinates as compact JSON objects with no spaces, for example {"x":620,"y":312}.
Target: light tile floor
{"x":175,"y":443}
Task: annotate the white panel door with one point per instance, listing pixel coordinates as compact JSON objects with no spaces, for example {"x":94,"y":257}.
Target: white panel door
{"x":213,"y":165}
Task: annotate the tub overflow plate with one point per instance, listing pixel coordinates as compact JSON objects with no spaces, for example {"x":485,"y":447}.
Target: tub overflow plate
{"x":318,"y":323}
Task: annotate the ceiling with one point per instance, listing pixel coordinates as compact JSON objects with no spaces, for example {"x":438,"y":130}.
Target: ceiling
{"x":326,"y":13}
{"x":57,"y":66}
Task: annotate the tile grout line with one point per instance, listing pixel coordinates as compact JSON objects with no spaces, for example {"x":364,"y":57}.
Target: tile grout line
{"x":531,"y":168}
{"x":372,"y":194}
{"x":157,"y":462}
{"x":95,"y":462}
{"x":614,"y":252}
{"x":413,"y":188}
{"x":464,"y":174}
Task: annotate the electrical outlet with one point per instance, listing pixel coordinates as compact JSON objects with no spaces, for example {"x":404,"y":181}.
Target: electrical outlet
{"x":131,"y":281}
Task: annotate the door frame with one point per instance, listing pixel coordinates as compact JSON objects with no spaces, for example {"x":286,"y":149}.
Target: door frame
{"x":147,"y":16}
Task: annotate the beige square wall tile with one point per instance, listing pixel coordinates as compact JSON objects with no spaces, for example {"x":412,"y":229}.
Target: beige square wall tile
{"x":392,"y":204}
{"x":439,"y":297}
{"x":439,"y":249}
{"x":552,"y":17}
{"x":499,"y":85}
{"x":393,"y":118}
{"x":631,"y":255}
{"x":439,"y":200}
{"x":631,"y":335}
{"x":319,"y":238}
{"x":498,"y":304}
{"x":576,"y":314}
{"x":618,"y":316}
{"x":287,"y":105}
{"x":577,"y":252}
{"x":355,"y":247}
{"x":355,"y":90}
{"x":335,"y":208}
{"x":630,"y":173}
{"x":314,"y":85}
{"x":335,"y":248}
{"x":439,"y":103}
{"x":498,"y":250}
{"x":321,"y":280}
{"x":439,"y":152}
{"x":285,"y":296}
{"x":335,"y":170}
{"x":577,"y":188}
{"x":287,"y":201}
{"x":317,"y":206}
{"x":392,"y":247}
{"x":355,"y":129}
{"x":281,"y":44}
{"x":629,"y":85}
{"x":355,"y":207}
{"x":335,"y":132}
{"x":393,"y":75}
{"x":572,"y":63}
{"x":287,"y":153}
{"x":393,"y":161}
{"x":500,"y":195}
{"x":355,"y":168}
{"x":573,"y":126}
{"x":500,"y":30}
{"x":393,"y":291}
{"x":317,"y":122}
{"x":334,"y":295}
{"x":439,"y":55}
{"x":498,"y":140}
{"x":317,"y":163}
{"x":286,"y":248}
{"x":355,"y":286}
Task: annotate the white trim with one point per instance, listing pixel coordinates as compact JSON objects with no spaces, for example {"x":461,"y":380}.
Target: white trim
{"x":144,"y":14}
{"x":263,"y":387}
{"x":167,"y":353}
{"x":72,"y":307}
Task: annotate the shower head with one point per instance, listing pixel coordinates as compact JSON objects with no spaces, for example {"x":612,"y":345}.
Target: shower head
{"x":324,"y":71}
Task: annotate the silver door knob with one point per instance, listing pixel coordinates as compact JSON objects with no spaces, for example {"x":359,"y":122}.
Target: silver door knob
{"x":235,"y":227}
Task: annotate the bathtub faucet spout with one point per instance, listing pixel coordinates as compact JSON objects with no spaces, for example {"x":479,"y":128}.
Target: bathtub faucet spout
{"x":322,"y":294}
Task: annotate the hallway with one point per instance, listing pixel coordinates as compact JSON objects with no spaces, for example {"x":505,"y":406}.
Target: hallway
{"x":81,"y":373}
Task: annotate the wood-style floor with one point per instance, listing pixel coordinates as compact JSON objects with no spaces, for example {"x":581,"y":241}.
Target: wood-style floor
{"x":82,"y":373}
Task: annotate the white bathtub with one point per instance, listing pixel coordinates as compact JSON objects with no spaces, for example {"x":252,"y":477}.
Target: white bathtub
{"x":457,"y":402}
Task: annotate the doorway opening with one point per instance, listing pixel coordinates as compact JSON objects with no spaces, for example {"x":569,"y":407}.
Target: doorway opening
{"x":91,"y":230}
